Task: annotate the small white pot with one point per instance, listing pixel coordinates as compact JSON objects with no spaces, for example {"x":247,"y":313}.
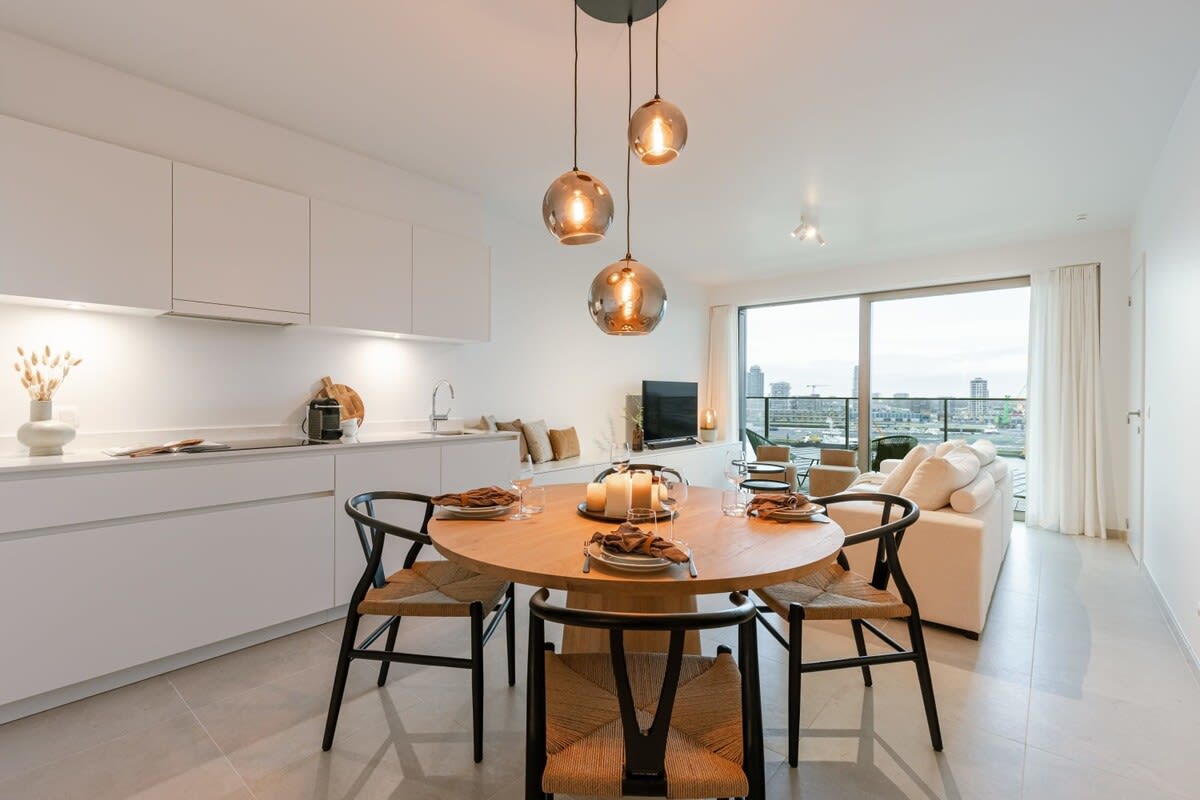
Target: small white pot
{"x":42,"y":435}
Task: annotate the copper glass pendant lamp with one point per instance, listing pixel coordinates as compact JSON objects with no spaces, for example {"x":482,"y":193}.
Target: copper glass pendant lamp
{"x":627,"y":298}
{"x":578,"y":207}
{"x":658,"y":129}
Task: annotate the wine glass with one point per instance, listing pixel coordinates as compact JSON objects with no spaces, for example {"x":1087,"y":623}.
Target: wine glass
{"x":736,"y":472}
{"x":677,"y":492}
{"x":619,"y":455}
{"x":522,"y":479}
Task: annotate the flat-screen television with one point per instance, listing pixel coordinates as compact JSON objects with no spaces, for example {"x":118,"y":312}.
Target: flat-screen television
{"x":669,"y":411}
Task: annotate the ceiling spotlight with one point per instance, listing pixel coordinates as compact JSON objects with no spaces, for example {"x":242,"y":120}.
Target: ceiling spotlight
{"x":806,"y":231}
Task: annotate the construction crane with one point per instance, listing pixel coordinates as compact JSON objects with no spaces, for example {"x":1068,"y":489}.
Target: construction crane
{"x":812,"y":388}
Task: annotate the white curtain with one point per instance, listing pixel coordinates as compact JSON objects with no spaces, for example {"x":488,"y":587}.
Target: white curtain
{"x":1064,"y":444}
{"x":722,"y":378}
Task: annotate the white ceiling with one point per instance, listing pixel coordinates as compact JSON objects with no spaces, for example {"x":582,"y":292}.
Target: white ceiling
{"x":904,"y":128}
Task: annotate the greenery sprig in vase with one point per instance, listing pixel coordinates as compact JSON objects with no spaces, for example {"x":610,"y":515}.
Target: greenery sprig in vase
{"x":635,"y":418}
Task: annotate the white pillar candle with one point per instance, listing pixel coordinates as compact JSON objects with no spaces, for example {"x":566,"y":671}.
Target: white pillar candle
{"x":641,"y":491}
{"x":595,"y":497}
{"x":617,"y":488}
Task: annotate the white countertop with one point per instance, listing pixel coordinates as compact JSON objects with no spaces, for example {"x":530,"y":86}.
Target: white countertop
{"x":89,"y":455}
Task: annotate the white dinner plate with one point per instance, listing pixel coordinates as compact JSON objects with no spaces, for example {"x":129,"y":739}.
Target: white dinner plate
{"x":478,"y":512}
{"x":629,"y":562}
{"x":807,"y":512}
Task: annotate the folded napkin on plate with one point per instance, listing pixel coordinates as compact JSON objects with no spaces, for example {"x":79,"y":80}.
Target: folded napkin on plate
{"x":764,"y":505}
{"x":477,"y":498}
{"x":632,"y":539}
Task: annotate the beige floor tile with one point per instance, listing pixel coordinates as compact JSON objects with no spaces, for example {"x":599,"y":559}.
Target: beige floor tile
{"x":237,"y":672}
{"x":1051,"y":777}
{"x":175,"y":759}
{"x":59,"y":732}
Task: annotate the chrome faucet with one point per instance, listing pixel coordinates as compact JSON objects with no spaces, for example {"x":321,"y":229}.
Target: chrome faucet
{"x":434,"y":417}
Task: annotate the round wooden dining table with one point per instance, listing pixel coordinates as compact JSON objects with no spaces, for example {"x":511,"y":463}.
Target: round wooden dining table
{"x":730,"y":554}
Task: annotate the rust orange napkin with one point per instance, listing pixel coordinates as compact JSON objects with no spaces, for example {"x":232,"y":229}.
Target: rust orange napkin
{"x":632,"y":539}
{"x":764,"y":505}
{"x":477,"y":498}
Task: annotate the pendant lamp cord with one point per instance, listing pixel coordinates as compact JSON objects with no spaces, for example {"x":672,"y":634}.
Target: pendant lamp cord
{"x":657,"y":9}
{"x":628,"y":118}
{"x":575,"y":143}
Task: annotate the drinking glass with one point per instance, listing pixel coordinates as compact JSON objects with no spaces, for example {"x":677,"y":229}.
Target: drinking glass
{"x":677,"y":492}
{"x":644,"y":518}
{"x":733,"y":503}
{"x":619,"y":455}
{"x":535,"y":499}
{"x":522,"y":479}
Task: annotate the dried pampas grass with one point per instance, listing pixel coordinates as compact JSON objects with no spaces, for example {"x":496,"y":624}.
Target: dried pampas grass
{"x":42,"y":373}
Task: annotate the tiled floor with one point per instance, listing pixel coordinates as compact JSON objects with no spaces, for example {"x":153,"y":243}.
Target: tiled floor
{"x":1077,"y":690}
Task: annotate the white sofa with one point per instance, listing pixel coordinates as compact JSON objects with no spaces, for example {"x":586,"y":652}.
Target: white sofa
{"x":951,"y":559}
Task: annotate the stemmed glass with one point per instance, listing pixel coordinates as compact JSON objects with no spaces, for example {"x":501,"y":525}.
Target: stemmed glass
{"x":522,"y":479}
{"x":619,"y":455}
{"x":677,"y":492}
{"x":736,"y":471}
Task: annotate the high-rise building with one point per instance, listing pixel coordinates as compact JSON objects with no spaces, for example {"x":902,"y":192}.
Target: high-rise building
{"x":979,"y":393}
{"x":781,"y":389}
{"x":754,"y":381}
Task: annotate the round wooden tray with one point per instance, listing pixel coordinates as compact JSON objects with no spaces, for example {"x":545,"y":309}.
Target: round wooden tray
{"x":660,"y":516}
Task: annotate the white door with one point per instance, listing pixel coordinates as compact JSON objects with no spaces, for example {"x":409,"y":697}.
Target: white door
{"x":1136,"y":414}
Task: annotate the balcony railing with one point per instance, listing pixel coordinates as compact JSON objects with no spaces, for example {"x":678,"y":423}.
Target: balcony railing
{"x":812,"y":423}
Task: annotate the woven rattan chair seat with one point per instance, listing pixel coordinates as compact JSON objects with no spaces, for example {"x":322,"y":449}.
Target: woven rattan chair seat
{"x":834,"y":593}
{"x":585,"y":751}
{"x":433,"y":589}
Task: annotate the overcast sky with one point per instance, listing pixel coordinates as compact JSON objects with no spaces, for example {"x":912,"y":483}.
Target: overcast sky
{"x":926,"y":346}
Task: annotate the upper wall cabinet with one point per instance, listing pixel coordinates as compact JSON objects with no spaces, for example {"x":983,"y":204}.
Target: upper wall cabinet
{"x":451,"y":286}
{"x":82,"y":220}
{"x":361,"y":270}
{"x":240,"y":248}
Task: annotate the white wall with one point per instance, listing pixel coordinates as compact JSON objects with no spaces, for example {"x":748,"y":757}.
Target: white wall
{"x":546,"y":358}
{"x":1110,"y":249}
{"x":1168,"y":232}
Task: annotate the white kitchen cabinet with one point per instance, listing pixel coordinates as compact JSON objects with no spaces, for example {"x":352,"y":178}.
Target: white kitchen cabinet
{"x":452,"y":286}
{"x":406,"y":469}
{"x":474,"y":464}
{"x":240,"y":248}
{"x":84,"y":602}
{"x":361,"y":270}
{"x":82,"y":220}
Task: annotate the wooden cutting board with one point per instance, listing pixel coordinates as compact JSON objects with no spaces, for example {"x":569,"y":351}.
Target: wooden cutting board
{"x":352,"y":404}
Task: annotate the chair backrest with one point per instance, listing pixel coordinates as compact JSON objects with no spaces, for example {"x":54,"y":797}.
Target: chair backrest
{"x":773,"y":452}
{"x":889,"y":535}
{"x":757,"y":440}
{"x":886,"y":447}
{"x":371,"y":529}
{"x":654,"y":469}
{"x":645,"y":750}
{"x":836,"y":457}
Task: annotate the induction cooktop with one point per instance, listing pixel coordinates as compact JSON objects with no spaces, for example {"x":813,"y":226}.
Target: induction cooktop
{"x":269,"y":444}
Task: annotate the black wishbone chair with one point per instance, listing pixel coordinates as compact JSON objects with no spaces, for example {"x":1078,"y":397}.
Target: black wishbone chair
{"x":837,"y":593}
{"x":421,"y":589}
{"x":643,"y":724}
{"x":655,"y":469}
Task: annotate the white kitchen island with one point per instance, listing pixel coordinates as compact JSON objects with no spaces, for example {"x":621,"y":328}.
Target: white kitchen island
{"x":115,"y":569}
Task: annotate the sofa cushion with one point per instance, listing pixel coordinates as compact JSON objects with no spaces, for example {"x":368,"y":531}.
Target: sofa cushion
{"x":898,"y":478}
{"x":936,"y":478}
{"x":537,"y":436}
{"x":515,"y":425}
{"x":565,"y":443}
{"x":947,"y":446}
{"x":975,"y":494}
{"x":998,"y":469}
{"x":985,"y":450}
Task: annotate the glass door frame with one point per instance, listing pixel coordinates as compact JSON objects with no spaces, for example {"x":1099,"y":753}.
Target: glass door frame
{"x":865,"y":303}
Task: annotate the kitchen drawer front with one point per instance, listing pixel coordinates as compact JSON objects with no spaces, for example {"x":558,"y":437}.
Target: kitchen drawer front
{"x":119,"y":492}
{"x":79,"y":604}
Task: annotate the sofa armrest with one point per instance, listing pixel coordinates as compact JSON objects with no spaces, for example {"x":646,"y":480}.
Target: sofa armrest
{"x":888,"y":464}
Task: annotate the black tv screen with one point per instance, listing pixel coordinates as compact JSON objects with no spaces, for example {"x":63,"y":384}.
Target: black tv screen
{"x":668,"y":409}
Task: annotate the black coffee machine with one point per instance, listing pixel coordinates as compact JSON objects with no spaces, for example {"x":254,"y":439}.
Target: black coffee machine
{"x":324,"y":419}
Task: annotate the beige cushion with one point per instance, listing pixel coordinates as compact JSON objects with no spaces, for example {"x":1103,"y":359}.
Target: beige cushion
{"x":565,"y":443}
{"x":487,"y":423}
{"x":773,"y":452}
{"x":537,"y":436}
{"x":898,"y":477}
{"x":515,"y":425}
{"x":839,"y":458}
{"x":985,"y":450}
{"x":936,"y":478}
{"x":974,"y":495}
{"x":998,"y":469}
{"x":947,"y":446}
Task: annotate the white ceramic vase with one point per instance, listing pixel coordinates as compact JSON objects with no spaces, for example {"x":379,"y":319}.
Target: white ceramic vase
{"x":42,"y":435}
